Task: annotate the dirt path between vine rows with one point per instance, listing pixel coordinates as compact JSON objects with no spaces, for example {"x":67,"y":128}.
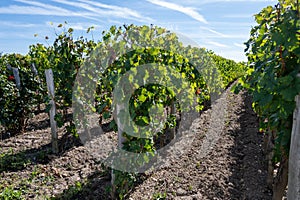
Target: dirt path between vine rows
{"x":233,"y":169}
{"x":225,"y":161}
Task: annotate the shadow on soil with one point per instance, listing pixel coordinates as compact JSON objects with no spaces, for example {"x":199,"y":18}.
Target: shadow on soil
{"x":249,"y":172}
{"x":97,"y":186}
{"x":18,"y":161}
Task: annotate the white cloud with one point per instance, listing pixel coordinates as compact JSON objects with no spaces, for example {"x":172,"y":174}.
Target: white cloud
{"x":17,"y":35}
{"x":37,"y":8}
{"x":231,"y":24}
{"x":196,"y":34}
{"x":18,"y":24}
{"x":41,"y":5}
{"x":217,"y":44}
{"x":186,"y":10}
{"x":239,"y":45}
{"x":214,"y":32}
{"x":30,"y":10}
{"x":117,"y":11}
{"x":77,"y":4}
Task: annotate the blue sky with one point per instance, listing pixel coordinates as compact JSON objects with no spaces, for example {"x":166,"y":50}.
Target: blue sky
{"x":219,"y":25}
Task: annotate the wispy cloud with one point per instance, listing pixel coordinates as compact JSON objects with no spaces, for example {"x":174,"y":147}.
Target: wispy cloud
{"x":118,"y":11}
{"x":214,"y":32}
{"x":42,"y":5}
{"x":214,"y":36}
{"x":31,"y":10}
{"x":217,"y":44}
{"x":239,"y":45}
{"x":17,"y":35}
{"x":100,"y":9}
{"x":87,"y":9}
{"x":17,"y":24}
{"x":37,"y":8}
{"x":231,"y":24}
{"x":206,"y":33}
{"x":190,"y":11}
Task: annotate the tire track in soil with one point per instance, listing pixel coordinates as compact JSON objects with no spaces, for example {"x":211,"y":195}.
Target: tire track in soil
{"x":233,"y":169}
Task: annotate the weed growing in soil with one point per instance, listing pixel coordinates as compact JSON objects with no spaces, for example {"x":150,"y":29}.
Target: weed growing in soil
{"x":11,"y":161}
{"x":9,"y":193}
{"x":159,"y":196}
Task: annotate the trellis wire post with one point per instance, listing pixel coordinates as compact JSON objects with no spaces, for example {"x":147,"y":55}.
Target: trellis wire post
{"x":294,"y":155}
{"x":52,"y":112}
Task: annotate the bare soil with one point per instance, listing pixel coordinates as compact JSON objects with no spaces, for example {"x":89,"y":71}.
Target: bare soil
{"x":233,"y":167}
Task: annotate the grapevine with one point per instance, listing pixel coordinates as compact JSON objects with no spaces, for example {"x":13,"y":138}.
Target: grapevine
{"x":273,"y":52}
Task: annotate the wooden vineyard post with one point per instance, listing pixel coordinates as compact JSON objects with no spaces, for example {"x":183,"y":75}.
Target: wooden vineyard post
{"x":17,"y":77}
{"x":121,"y":140}
{"x":33,"y":69}
{"x":170,"y":134}
{"x":35,"y":72}
{"x":18,"y":84}
{"x":50,"y":86}
{"x":294,"y":157}
{"x":173,"y":112}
